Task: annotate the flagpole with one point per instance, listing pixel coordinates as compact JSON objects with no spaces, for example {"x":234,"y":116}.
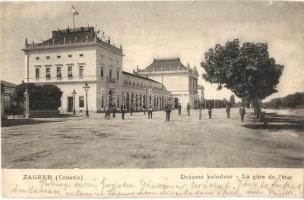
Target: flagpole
{"x":74,"y":21}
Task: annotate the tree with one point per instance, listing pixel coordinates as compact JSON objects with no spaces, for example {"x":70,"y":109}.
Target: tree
{"x":247,"y":70}
{"x":42,"y":97}
{"x":295,"y":100}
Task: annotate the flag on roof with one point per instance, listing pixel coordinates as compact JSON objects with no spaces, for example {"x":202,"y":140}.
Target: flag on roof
{"x":75,"y":12}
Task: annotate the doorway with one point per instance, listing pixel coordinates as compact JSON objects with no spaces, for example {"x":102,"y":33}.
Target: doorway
{"x":70,"y":104}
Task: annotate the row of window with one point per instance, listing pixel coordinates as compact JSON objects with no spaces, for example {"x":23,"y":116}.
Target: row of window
{"x":136,"y":101}
{"x":110,"y":58}
{"x":59,"y":56}
{"x":59,"y":72}
{"x":140,"y":85}
{"x":110,"y":75}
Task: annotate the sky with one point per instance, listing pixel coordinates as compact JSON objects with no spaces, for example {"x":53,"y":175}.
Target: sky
{"x":150,"y":30}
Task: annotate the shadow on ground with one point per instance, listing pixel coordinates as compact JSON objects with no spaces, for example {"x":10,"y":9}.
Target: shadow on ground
{"x":276,"y":122}
{"x":277,"y":127}
{"x":19,"y":122}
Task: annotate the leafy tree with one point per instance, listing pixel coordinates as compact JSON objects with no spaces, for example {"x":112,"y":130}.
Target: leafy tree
{"x":42,"y":97}
{"x":247,"y":70}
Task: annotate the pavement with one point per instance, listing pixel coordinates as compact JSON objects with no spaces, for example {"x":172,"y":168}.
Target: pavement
{"x":138,"y":142}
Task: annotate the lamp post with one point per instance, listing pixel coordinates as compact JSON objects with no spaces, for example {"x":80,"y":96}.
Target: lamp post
{"x":74,"y":94}
{"x":26,"y":92}
{"x":150,"y":97}
{"x":124,"y":100}
{"x":86,"y":89}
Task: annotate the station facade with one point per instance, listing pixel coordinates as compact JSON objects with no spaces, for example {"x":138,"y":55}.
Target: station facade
{"x":73,"y":57}
{"x":180,"y":80}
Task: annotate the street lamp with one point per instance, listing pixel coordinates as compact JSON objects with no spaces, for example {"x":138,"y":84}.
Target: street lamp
{"x":150,"y":97}
{"x":27,"y":103}
{"x":86,"y":89}
{"x":74,"y":94}
{"x":26,"y":92}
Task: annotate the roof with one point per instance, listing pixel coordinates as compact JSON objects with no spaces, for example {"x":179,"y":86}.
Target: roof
{"x":166,"y":64}
{"x":138,"y":76}
{"x":72,"y":36}
{"x":8,"y":84}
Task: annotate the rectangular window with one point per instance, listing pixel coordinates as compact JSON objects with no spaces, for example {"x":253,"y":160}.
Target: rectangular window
{"x":48,"y":73}
{"x":59,"y":75}
{"x":81,"y":55}
{"x":117,"y":75}
{"x":70,"y":72}
{"x":70,"y":56}
{"x":81,"y":101}
{"x":110,"y":73}
{"x":80,"y":71}
{"x":101,"y":72}
{"x":37,"y":58}
{"x":58,"y":56}
{"x":37,"y":73}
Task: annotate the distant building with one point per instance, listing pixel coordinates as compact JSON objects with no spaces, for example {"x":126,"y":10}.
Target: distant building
{"x":180,"y":80}
{"x":72,"y":57}
{"x":7,"y":91}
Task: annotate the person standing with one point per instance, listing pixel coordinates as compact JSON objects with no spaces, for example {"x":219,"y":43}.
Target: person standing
{"x":122,"y":111}
{"x":150,"y":110}
{"x":228,"y":106}
{"x":209,"y":107}
{"x":114,"y":111}
{"x":179,"y":109}
{"x":188,"y":109}
{"x":242,"y":112}
{"x":168,"y":112}
{"x":144,"y":109}
{"x":131,"y":110}
{"x":200,"y":113}
{"x":107,"y":113}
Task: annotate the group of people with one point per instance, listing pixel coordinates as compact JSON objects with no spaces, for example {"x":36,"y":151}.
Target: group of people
{"x":168,"y":109}
{"x":242,"y":111}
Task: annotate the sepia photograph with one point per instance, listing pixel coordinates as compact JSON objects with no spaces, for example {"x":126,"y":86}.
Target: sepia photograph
{"x":152,"y":84}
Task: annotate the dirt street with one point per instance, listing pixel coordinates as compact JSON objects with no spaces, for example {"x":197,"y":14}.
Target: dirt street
{"x":138,"y":142}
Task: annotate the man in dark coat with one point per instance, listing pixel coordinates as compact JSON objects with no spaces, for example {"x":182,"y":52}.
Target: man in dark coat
{"x":188,"y":109}
{"x":107,"y":113}
{"x":242,"y":112}
{"x":209,"y":107}
{"x":168,"y":112}
{"x":179,"y":109}
{"x":150,"y":110}
{"x":122,"y":107}
{"x":228,"y":106}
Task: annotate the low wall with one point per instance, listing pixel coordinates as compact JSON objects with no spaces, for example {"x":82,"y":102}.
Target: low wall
{"x":44,"y":113}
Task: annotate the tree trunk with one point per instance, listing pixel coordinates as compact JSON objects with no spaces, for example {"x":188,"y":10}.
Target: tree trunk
{"x":257,"y":107}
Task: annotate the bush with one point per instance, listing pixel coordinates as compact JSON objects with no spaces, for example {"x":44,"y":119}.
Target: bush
{"x":42,"y":97}
{"x":290,"y":101}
